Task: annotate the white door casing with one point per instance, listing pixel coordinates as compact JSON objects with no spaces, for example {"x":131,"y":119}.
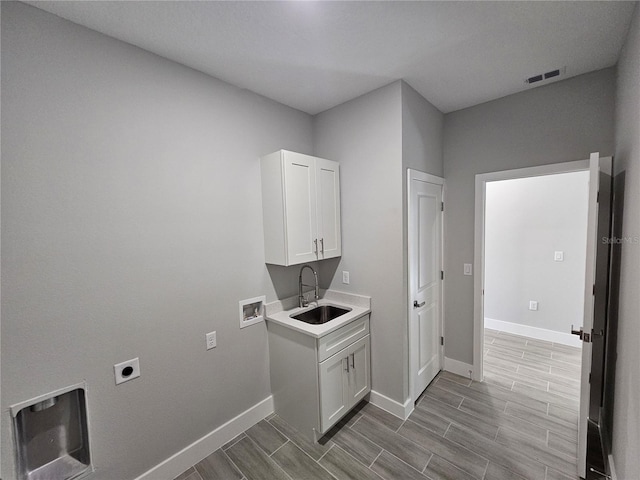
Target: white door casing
{"x":597,"y":166}
{"x":425,"y":282}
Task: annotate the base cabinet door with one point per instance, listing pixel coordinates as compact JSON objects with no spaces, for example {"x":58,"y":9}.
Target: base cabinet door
{"x":359,"y":375}
{"x":334,"y":389}
{"x":344,"y":380}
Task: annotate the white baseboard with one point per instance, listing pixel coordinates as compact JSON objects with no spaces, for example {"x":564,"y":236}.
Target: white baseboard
{"x":533,"y":332}
{"x":400,"y":410}
{"x":203,"y":447}
{"x":459,"y":368}
{"x":612,"y":469}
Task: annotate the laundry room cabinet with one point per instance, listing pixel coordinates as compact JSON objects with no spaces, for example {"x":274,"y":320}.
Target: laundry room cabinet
{"x":300,"y":207}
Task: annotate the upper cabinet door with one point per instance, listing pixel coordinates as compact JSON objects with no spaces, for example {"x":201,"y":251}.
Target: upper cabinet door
{"x":300,"y":208}
{"x":328,"y":208}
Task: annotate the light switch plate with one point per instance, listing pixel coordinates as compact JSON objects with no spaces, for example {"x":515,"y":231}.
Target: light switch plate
{"x":345,"y":277}
{"x":468,"y":269}
{"x":558,"y":256}
{"x":533,"y":305}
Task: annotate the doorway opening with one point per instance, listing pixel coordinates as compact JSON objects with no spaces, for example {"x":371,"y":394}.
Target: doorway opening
{"x":534,"y":272}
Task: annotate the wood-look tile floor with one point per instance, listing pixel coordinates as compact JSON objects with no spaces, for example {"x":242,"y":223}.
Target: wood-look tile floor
{"x":521,"y":423}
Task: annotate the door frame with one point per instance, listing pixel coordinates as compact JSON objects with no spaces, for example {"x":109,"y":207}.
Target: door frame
{"x":479,"y":250}
{"x":413,"y":174}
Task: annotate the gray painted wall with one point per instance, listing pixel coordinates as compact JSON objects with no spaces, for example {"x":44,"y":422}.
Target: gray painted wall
{"x":365,"y":136}
{"x":422,"y":130}
{"x":556,"y":123}
{"x":376,"y":137}
{"x":526,"y":221}
{"x":131,"y":226}
{"x":626,"y":424}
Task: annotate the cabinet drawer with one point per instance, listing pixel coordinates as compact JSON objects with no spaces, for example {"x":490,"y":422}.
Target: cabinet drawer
{"x":343,"y":337}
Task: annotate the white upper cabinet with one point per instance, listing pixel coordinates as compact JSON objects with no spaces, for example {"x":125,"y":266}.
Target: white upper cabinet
{"x":300,"y":207}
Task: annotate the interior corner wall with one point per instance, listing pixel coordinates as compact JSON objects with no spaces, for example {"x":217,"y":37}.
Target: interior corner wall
{"x":364,"y":135}
{"x":131,"y":226}
{"x":526,"y":221}
{"x":560,"y":122}
{"x":626,"y":408}
{"x":422,"y":128}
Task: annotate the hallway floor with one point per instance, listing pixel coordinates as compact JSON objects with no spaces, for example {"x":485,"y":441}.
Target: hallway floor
{"x":520,"y":423}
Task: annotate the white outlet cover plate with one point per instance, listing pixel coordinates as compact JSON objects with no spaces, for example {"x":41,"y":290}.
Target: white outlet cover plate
{"x":211,"y":340}
{"x":121,"y":373}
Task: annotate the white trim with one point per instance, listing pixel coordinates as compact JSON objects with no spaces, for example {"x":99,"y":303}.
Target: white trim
{"x":478,"y":252}
{"x":612,"y":468}
{"x":203,"y":447}
{"x":459,"y":368}
{"x":400,"y":410}
{"x":428,"y":178}
{"x":533,"y":332}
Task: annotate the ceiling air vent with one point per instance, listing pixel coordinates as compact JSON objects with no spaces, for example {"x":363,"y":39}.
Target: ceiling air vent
{"x":558,"y":72}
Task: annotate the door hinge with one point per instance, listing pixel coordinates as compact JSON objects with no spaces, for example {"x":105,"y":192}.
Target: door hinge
{"x":441,"y":274}
{"x":441,"y":340}
{"x":442,"y":206}
{"x":594,"y":290}
{"x":589,"y":378}
{"x":598,"y":197}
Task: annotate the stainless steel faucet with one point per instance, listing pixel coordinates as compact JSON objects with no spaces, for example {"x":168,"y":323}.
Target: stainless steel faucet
{"x":303,"y":302}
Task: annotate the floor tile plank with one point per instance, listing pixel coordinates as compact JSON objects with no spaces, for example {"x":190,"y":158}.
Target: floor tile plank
{"x":298,"y":464}
{"x":253,"y":462}
{"x":461,"y":457}
{"x":344,"y":467}
{"x":391,"y":467}
{"x":217,"y":466}
{"x":266,"y":436}
{"x":392,"y":442}
{"x":439,"y":469}
{"x":505,"y":456}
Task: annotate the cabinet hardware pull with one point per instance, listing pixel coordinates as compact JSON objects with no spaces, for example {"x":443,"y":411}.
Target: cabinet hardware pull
{"x":347,"y":359}
{"x":353,"y":361}
{"x":322,"y":246}
{"x":315,"y":243}
{"x":418,"y":305}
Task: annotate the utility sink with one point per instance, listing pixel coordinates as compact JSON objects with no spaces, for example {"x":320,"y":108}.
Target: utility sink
{"x":321,"y":314}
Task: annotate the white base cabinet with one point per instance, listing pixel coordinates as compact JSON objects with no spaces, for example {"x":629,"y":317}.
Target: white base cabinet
{"x":316,"y":381}
{"x":300,"y":208}
{"x":344,"y":381}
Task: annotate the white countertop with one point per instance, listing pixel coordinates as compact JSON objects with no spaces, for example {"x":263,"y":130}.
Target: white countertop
{"x":280,"y":311}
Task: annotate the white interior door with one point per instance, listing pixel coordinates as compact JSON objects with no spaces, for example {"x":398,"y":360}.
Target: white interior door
{"x":595,"y":294}
{"x":425,"y":282}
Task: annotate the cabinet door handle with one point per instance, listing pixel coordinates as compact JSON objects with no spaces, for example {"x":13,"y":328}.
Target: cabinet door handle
{"x":315,"y":243}
{"x":353,"y":361}
{"x":322,"y":246}
{"x":347,"y":359}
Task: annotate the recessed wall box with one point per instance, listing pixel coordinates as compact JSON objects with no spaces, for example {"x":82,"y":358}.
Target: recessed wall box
{"x":251,"y":311}
{"x":52,"y":436}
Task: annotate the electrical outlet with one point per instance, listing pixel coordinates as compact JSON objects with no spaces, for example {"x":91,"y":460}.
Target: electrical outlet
{"x":345,"y":277}
{"x":211,"y":340}
{"x":126,"y":371}
{"x":533,"y":305}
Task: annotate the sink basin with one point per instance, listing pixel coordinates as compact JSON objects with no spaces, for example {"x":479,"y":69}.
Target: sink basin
{"x":321,"y":314}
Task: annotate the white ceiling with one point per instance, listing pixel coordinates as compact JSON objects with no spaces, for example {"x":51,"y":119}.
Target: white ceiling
{"x":314,"y":55}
